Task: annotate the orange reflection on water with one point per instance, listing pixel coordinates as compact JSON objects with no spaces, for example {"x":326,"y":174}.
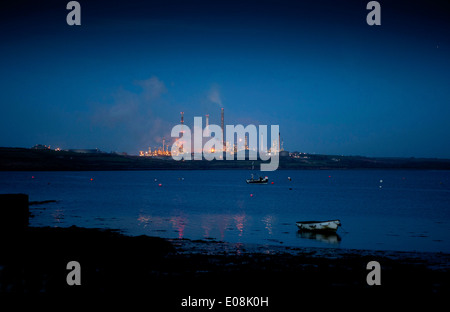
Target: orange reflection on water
{"x":153,"y":222}
{"x":179,"y":223}
{"x":239,"y":221}
{"x":144,"y":220}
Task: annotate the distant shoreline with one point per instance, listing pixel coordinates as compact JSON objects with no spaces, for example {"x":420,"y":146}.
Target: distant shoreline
{"x":23,"y":159}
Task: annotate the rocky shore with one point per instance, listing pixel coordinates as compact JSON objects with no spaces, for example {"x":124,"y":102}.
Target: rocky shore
{"x":33,"y":263}
{"x":180,"y":274}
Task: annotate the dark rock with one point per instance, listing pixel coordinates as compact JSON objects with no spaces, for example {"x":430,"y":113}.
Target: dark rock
{"x":14,"y":212}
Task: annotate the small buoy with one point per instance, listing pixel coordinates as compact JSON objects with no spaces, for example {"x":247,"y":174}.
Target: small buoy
{"x":381,"y":181}
{"x":289,"y":178}
{"x":32,"y":177}
{"x":290,"y":189}
{"x":159,"y":184}
{"x":272,"y":182}
{"x":92,"y":179}
{"x":156,"y":180}
{"x":329,"y":176}
{"x":251,"y":195}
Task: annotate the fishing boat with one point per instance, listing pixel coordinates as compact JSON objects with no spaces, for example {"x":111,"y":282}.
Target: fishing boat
{"x":319,"y":226}
{"x":260,"y":180}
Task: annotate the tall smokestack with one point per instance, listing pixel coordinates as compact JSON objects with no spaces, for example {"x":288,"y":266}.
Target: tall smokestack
{"x":279,"y":142}
{"x":181,"y":150}
{"x":223,"y":131}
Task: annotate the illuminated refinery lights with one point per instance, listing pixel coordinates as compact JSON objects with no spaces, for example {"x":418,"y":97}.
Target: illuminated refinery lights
{"x":274,"y":148}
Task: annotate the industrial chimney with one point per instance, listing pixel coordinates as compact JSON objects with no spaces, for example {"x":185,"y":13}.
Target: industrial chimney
{"x":279,"y":142}
{"x":181,"y":150}
{"x":223,"y":132}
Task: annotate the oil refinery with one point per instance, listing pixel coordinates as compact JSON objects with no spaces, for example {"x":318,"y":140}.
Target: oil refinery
{"x":176,"y":146}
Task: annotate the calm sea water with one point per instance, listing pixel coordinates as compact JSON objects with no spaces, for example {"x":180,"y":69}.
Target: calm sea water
{"x":379,"y":209}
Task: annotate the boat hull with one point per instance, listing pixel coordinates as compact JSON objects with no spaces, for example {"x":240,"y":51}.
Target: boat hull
{"x":256,"y":182}
{"x":319,"y":226}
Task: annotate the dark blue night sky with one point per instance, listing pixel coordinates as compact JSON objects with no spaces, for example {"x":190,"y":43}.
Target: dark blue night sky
{"x":334,"y":84}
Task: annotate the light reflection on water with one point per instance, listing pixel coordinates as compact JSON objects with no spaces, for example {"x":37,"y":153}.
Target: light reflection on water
{"x":410,"y":212}
{"x":268,"y":221}
{"x":179,"y":224}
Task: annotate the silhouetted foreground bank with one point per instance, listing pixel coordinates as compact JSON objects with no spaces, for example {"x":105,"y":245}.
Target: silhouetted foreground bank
{"x":164,"y":272}
{"x":21,"y":159}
